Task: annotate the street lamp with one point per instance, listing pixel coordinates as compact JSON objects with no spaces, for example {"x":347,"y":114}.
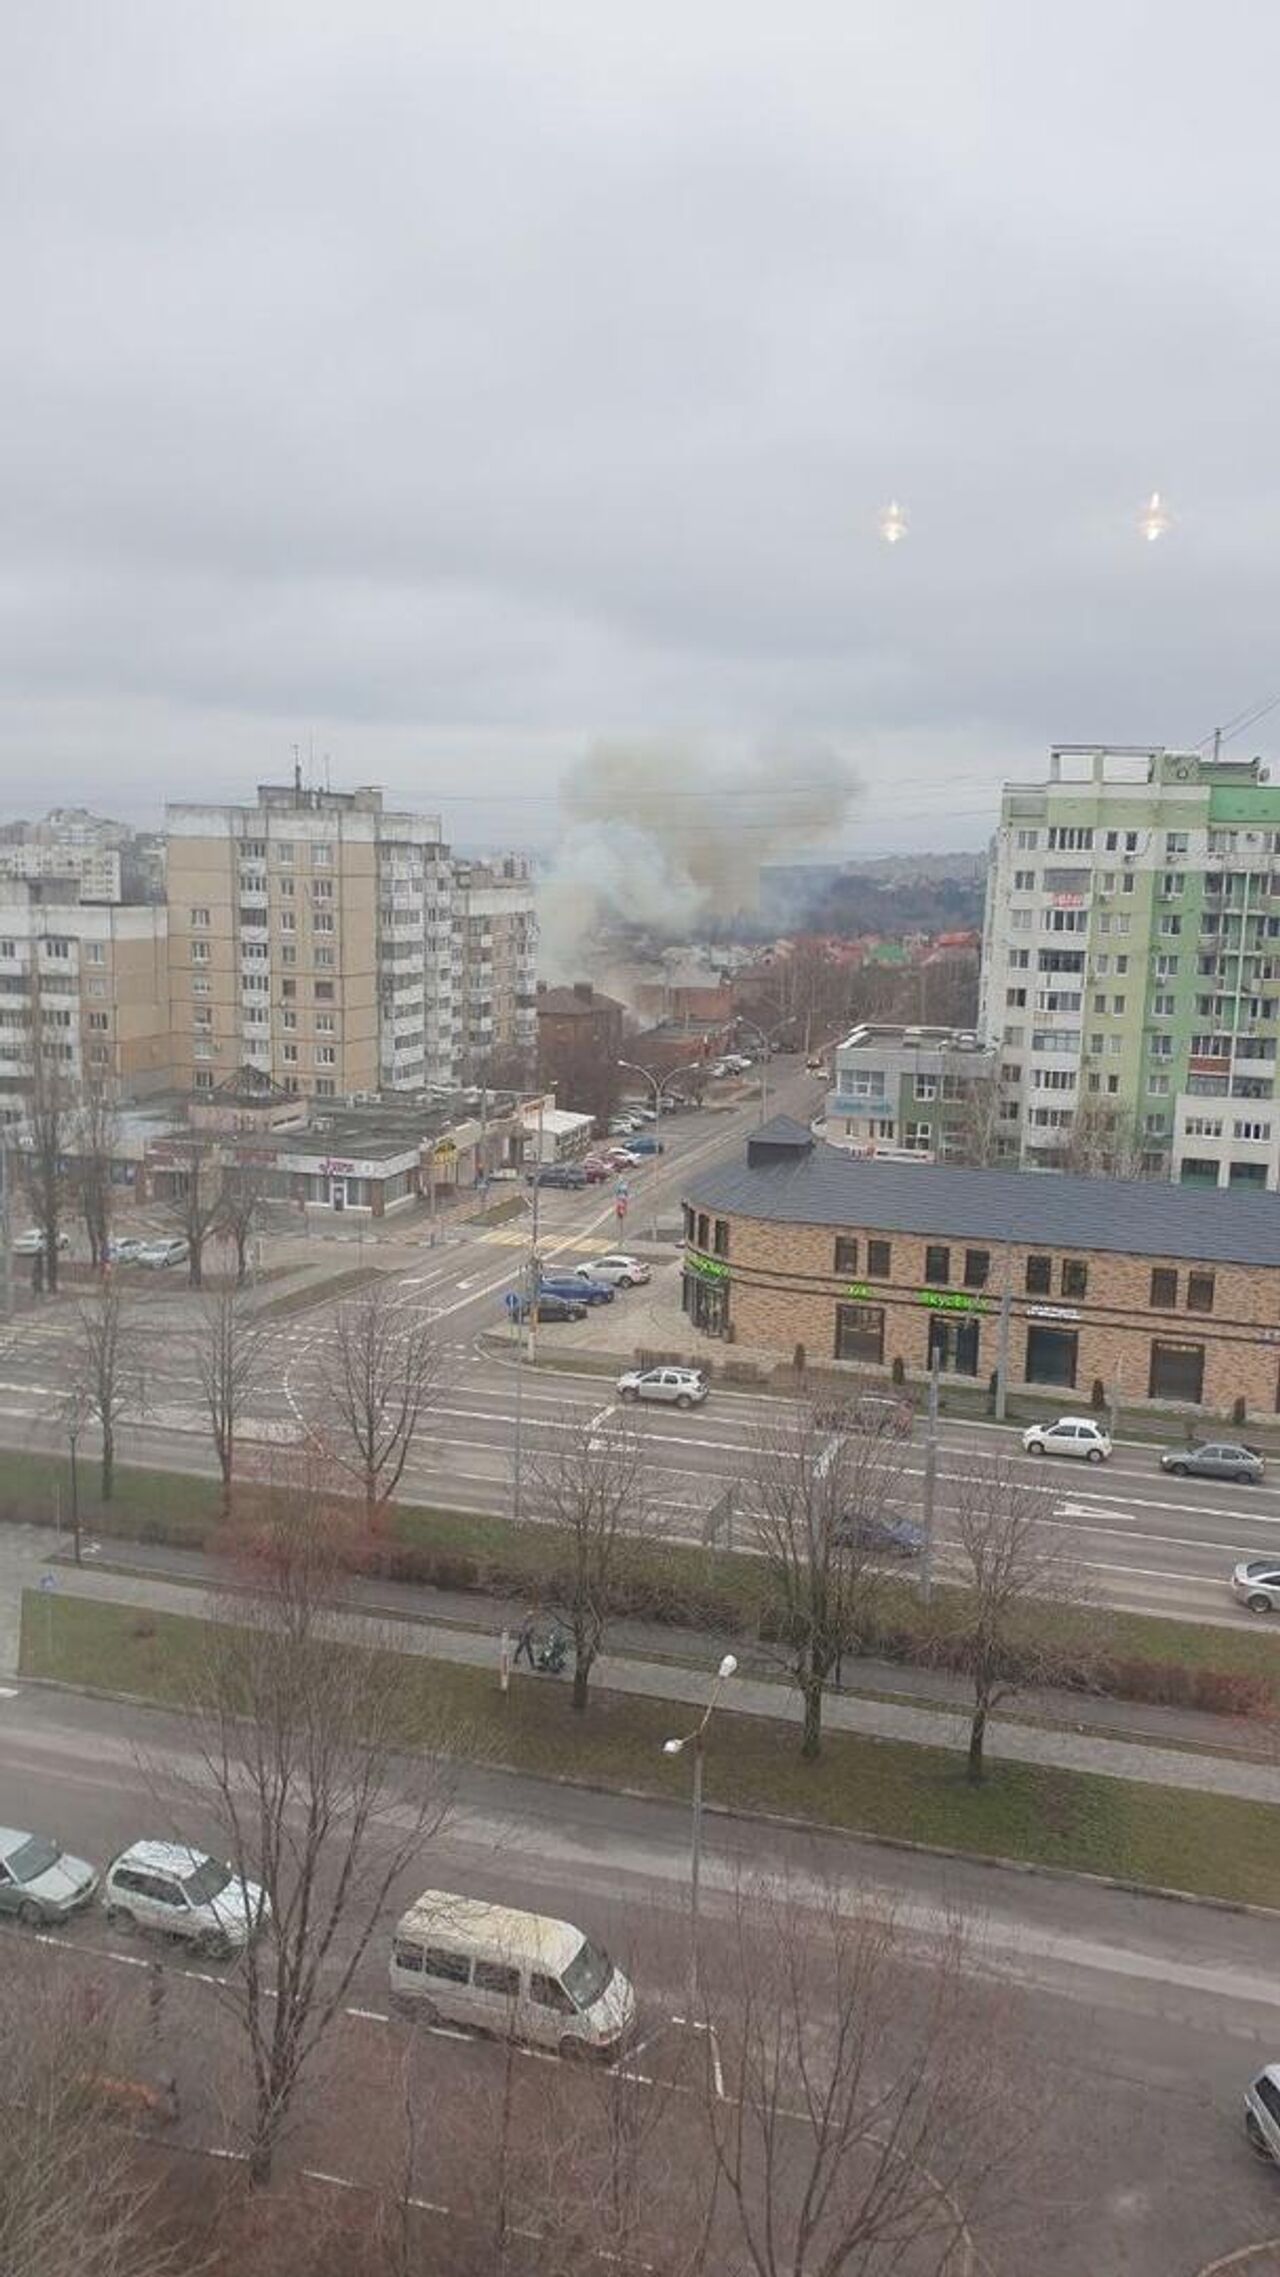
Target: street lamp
{"x":659,"y":1086}
{"x":696,"y":1739}
{"x":766,"y":1037}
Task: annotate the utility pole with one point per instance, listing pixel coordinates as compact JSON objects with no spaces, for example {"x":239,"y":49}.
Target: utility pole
{"x":930,"y":1483}
{"x":1002,"y":1349}
{"x":6,"y":1227}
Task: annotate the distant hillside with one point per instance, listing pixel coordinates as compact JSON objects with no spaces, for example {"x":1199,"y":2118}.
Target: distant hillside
{"x":896,"y":893}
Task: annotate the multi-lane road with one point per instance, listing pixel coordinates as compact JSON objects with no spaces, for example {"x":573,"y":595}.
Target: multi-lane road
{"x":1143,"y":1540}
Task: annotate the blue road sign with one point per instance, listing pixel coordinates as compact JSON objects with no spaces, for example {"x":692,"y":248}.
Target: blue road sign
{"x":622,"y":1189}
{"x":512,"y":1302}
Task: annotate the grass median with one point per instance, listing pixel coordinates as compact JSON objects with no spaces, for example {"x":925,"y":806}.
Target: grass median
{"x":1207,"y":1845}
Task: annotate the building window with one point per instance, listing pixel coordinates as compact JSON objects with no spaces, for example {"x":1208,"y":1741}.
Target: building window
{"x":1051,"y":1356}
{"x":203,"y":1080}
{"x":937,"y":1265}
{"x":1039,"y":1276}
{"x":284,"y":849}
{"x":326,"y":1056}
{"x":879,"y":1260}
{"x":324,"y":1024}
{"x":1015,"y":1000}
{"x":918,"y":1138}
{"x":200,"y":918}
{"x":323,"y":991}
{"x":290,"y":1053}
{"x":720,"y":1237}
{"x":100,"y":1021}
{"x":1177,"y":1372}
{"x":977,"y":1266}
{"x":321,"y":856}
{"x":1075,"y":1277}
{"x":1199,"y":1292}
{"x":94,"y":953}
{"x":199,"y":952}
{"x":323,"y":957}
{"x":1176,"y":842}
{"x":1027,"y":841}
{"x":325,"y":1087}
{"x":1024,"y":881}
{"x":287,"y":921}
{"x":846,"y":1254}
{"x":860,"y":1334}
{"x":1164,"y":1288}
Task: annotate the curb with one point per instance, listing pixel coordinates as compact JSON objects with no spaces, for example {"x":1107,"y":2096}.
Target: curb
{"x":991,"y":1860}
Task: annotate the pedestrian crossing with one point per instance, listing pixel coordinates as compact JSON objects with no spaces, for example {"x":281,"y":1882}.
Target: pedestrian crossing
{"x":517,"y":1237}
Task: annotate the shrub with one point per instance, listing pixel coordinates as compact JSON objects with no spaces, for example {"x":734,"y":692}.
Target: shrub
{"x":1098,"y":1396}
{"x":898,"y":1371}
{"x":1238,"y":1410}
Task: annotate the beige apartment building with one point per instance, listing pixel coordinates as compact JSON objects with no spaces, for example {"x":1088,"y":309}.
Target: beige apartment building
{"x":311,"y":940}
{"x":496,"y":928}
{"x":98,"y":974}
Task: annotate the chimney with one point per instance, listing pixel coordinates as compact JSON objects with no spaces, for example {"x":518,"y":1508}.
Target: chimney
{"x":584,"y":990}
{"x":541,"y":988}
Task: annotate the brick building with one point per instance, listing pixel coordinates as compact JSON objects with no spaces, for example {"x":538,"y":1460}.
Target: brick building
{"x":1153,"y":1292}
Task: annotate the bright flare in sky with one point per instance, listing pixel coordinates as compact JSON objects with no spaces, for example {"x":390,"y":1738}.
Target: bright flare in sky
{"x":893,"y":523}
{"x":1154,"y":519}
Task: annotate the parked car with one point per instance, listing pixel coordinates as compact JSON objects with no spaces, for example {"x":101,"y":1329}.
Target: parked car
{"x":1256,"y":1582}
{"x":596,"y":1169}
{"x":1262,"y":2113}
{"x":882,"y":1533}
{"x":579,"y":1287}
{"x":552,"y":1307}
{"x":621,"y":1126}
{"x":160,"y":1253}
{"x":520,"y":1976}
{"x":32,"y":1242}
{"x":39,"y":1880}
{"x":569,"y":1177}
{"x":622,"y":1272}
{"x":868,"y":1413}
{"x":1076,"y":1435}
{"x":623,"y":1158}
{"x":184,"y":1892}
{"x":1215,"y":1458}
{"x":123,"y":1249}
{"x":670,"y":1387}
{"x":645,"y":1144}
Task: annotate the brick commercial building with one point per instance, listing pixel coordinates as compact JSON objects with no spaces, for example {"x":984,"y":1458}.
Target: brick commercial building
{"x":1148,"y":1291}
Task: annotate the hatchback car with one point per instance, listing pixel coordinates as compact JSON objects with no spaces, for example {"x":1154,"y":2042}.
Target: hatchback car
{"x":1215,"y":1458}
{"x":552,"y":1308}
{"x":645,"y":1143}
{"x":1076,"y":1435}
{"x":669,"y":1387}
{"x":881,"y":1533}
{"x":158,"y":1254}
{"x":123,"y":1249}
{"x":39,"y":1881}
{"x":622,"y":1158}
{"x":578,"y":1287}
{"x":622,"y":1272}
{"x":32,"y":1242}
{"x":1256,"y":1582}
{"x":185,"y":1893}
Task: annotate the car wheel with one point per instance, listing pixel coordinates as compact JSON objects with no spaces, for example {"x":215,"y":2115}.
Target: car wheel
{"x":1035,"y":1448}
{"x":629,"y":1393}
{"x":1179,"y":1470}
{"x":1258,"y":1603}
{"x":683,"y":1400}
{"x":30,"y":1915}
{"x":1095,"y":1455}
{"x":119,"y":1917}
{"x":214,"y":1945}
{"x":625,"y":1281}
{"x":1246,"y":1478}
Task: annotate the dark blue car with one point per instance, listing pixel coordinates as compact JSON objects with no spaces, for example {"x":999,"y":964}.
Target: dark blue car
{"x":582,"y":1292}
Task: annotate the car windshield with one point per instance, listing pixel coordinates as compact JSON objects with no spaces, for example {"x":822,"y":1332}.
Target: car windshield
{"x":207,"y":1880}
{"x":33,"y":1857}
{"x":588,"y":1974}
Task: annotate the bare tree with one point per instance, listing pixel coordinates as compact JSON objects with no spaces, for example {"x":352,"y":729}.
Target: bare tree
{"x":44,"y":1141}
{"x":867,"y":2113}
{"x":976,"y":1130}
{"x":816,"y":1498}
{"x":106,"y":1378}
{"x":1103,"y":1143}
{"x":592,"y":1489}
{"x":380,"y":1374}
{"x":1016,"y":1617}
{"x":196,"y":1203}
{"x":241,"y":1196}
{"x":295,"y":1730}
{"x":96,"y":1137}
{"x":72,"y":2192}
{"x":231,"y":1350}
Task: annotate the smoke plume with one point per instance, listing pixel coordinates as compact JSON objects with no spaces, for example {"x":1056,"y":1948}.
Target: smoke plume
{"x":664,"y":835}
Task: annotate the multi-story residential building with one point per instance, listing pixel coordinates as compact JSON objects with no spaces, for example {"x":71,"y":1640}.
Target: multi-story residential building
{"x":496,"y":931}
{"x":926,"y":1092}
{"x":311,"y":938}
{"x":96,"y":976}
{"x":92,"y":873}
{"x":1131,"y":965}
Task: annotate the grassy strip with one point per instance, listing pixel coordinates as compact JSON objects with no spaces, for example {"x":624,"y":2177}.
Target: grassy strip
{"x":1208,"y":1845}
{"x":334,"y":1285}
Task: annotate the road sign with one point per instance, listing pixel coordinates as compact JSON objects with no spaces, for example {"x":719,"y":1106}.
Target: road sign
{"x":620,"y":1208}
{"x":47,"y":1581}
{"x":512,"y":1302}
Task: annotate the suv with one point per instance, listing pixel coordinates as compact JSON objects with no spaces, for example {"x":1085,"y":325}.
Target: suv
{"x":1075,"y":1435}
{"x":671,"y":1387}
{"x":185,"y":1893}
{"x":620,"y":1271}
{"x":579,"y":1288}
{"x":552,"y":1306}
{"x":568,"y":1175}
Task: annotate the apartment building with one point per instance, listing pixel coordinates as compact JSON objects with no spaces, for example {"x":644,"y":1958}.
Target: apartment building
{"x":97,"y":976}
{"x":925,"y":1092}
{"x":93,"y":873}
{"x":1131,"y":964}
{"x":496,"y":933}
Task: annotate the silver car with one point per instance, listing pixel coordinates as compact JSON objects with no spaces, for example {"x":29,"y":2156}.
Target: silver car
{"x":1262,"y":2113}
{"x":39,"y":1881}
{"x":670,"y":1387}
{"x":621,"y":1272}
{"x":1215,"y":1458}
{"x":184,"y":1893}
{"x":1256,"y":1582}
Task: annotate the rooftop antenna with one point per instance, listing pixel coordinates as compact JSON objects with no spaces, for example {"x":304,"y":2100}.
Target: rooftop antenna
{"x":297,"y":768}
{"x":326,"y":770}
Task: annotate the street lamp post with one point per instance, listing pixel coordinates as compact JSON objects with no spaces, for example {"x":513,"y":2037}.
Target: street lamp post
{"x":696,"y":1739}
{"x":766,"y":1040}
{"x":659,"y":1083}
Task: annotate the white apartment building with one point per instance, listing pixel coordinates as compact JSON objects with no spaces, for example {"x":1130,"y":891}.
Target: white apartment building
{"x":94,"y":871}
{"x":496,"y":931}
{"x":97,"y":975}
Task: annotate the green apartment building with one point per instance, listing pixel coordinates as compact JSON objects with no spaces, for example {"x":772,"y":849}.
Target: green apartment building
{"x":1131,"y":965}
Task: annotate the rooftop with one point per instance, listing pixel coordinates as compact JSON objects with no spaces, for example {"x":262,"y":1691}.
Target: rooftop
{"x":790,"y":1178}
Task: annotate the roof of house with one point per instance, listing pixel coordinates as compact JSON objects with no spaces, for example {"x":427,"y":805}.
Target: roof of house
{"x":790,"y":1178}
{"x":577,"y":1002}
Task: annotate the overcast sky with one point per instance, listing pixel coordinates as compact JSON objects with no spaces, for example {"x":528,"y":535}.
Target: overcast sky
{"x":449,"y":385}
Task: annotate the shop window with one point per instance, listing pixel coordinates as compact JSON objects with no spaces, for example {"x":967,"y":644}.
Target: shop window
{"x":1039,"y":1276}
{"x":860,"y":1333}
{"x":1052,"y":1355}
{"x":1164,"y":1288}
{"x":1075,"y":1277}
{"x":1177,"y":1372}
{"x":954,"y":1345}
{"x":846,"y":1254}
{"x":720,"y":1237}
{"x":937,"y":1264}
{"x":977,"y":1268}
{"x":1199,"y":1292}
{"x":879,"y":1260}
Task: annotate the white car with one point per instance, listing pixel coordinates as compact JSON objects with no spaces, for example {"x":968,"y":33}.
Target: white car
{"x":185,"y":1893}
{"x":39,"y":1880}
{"x":32,"y":1242}
{"x":161,"y":1253}
{"x":622,"y":1158}
{"x":620,"y":1272}
{"x":1256,"y":1582}
{"x":670,"y":1387}
{"x":1076,"y":1435}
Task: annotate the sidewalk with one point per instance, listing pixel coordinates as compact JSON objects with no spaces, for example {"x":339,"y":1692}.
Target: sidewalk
{"x":1153,"y":1765}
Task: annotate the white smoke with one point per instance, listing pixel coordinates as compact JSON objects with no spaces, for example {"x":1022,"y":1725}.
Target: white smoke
{"x":665,"y":834}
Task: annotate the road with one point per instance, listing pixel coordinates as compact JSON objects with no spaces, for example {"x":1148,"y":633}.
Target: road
{"x":1144,"y":1541}
{"x":1131,"y":2025}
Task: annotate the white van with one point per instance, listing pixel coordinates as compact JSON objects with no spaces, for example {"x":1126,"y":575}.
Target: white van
{"x":522,"y":1975}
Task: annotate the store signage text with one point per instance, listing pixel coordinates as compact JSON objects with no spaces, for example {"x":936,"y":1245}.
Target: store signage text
{"x":708,"y":1268}
{"x":951,"y":1300}
{"x":1052,"y":1312}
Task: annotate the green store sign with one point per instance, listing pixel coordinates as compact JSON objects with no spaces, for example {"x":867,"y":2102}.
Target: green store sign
{"x":706,"y":1268}
{"x":951,"y":1300}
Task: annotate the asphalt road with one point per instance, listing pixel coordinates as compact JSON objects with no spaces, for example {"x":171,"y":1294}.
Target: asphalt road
{"x":1143,"y":1540}
{"x":1130,"y":2025}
